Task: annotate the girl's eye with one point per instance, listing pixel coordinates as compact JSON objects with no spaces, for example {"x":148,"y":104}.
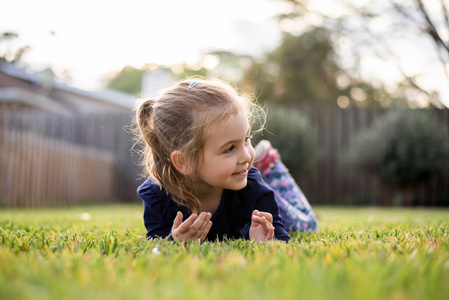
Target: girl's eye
{"x":229,"y":150}
{"x":248,"y":139}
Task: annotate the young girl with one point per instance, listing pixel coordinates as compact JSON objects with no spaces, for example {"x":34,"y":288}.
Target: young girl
{"x":202,"y":184}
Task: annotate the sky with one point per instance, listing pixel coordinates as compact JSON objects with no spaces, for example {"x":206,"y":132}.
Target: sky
{"x":96,"y":37}
{"x":93,"y":38}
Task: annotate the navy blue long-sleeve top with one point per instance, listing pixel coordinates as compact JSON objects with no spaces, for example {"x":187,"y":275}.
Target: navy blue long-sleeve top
{"x":232,"y":218}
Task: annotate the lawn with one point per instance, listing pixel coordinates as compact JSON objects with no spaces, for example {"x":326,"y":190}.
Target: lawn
{"x":97,"y":252}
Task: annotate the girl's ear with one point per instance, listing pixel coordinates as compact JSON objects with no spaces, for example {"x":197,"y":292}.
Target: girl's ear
{"x":181,"y":164}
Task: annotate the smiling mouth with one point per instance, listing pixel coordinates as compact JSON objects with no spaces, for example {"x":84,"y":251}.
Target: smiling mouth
{"x":244,"y":172}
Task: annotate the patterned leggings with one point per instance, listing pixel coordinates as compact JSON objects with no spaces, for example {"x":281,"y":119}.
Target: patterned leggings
{"x":295,"y":210}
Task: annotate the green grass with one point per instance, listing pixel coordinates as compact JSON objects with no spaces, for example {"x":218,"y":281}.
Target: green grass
{"x":358,"y":253}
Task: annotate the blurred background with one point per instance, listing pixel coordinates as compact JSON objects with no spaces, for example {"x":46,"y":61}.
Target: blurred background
{"x":356,"y":92}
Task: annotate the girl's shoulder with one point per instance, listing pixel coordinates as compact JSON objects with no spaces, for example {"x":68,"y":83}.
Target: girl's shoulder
{"x":150,"y":191}
{"x":255,"y":182}
{"x":156,"y":198}
{"x":255,"y":189}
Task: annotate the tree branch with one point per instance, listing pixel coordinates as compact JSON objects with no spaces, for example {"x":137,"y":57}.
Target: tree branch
{"x":431,"y":27}
{"x":445,"y":14}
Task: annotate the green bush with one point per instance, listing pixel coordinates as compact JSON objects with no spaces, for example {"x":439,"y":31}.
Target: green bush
{"x":291,"y":133}
{"x":403,"y":148}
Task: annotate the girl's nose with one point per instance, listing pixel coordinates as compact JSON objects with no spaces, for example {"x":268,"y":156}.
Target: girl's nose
{"x":247,"y":154}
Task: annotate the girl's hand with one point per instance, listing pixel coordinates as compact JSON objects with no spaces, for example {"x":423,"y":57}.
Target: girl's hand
{"x":193,"y":229}
{"x":261,"y":226}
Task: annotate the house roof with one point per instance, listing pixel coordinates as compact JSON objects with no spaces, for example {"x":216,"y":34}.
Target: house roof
{"x":57,"y":95}
{"x":20,"y":95}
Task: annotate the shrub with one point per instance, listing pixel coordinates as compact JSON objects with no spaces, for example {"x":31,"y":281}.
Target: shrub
{"x":291,"y":133}
{"x":403,"y":148}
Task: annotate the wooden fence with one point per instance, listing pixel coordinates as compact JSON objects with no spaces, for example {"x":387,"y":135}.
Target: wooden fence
{"x":48,"y":160}
{"x":333,"y":182}
{"x":38,"y":171}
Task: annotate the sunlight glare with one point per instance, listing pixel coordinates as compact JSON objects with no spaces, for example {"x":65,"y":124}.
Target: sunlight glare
{"x":343,"y":102}
{"x":358,"y":94}
{"x":211,"y":61}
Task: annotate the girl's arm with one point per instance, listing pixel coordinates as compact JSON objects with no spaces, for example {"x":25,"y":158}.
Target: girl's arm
{"x":156,"y":227}
{"x":265,"y":202}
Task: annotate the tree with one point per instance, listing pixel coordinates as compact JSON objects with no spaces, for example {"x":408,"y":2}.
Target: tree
{"x":305,"y":69}
{"x":301,"y":69}
{"x":8,"y":51}
{"x":383,"y":33}
{"x":128,"y":80}
{"x":435,"y":24}
{"x":221,"y":64}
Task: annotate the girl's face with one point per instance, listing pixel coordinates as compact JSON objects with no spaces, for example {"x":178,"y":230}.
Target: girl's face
{"x":227,"y":155}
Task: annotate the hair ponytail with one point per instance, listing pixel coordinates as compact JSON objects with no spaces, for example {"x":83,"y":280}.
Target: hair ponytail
{"x":145,"y":125}
{"x":156,"y":162}
{"x":144,"y":120}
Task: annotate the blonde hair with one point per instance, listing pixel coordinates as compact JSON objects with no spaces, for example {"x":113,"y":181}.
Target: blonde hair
{"x":180,"y":119}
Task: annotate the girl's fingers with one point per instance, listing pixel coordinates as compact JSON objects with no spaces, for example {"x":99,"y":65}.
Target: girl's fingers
{"x":193,"y":228}
{"x":266,"y":225}
{"x":268,"y":216}
{"x":206,"y":231}
{"x":270,"y":234}
{"x":178,"y":220}
{"x":262,"y":226}
{"x":202,"y":221}
{"x":205,"y":221}
{"x":194,"y":225}
{"x":185,"y":226}
{"x":263,"y":218}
